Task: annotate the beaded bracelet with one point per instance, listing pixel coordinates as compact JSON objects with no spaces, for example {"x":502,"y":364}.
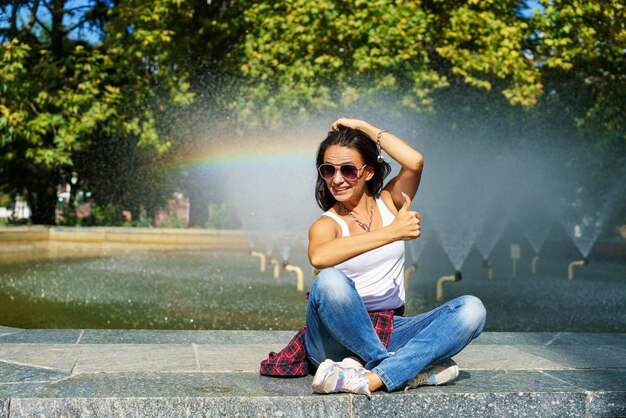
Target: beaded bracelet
{"x":380,"y":154}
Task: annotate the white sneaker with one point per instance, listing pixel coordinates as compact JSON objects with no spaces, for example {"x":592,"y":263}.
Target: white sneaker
{"x":435,"y":375}
{"x":345,"y":376}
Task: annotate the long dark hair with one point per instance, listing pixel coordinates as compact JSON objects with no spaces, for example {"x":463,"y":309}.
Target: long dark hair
{"x":357,"y":140}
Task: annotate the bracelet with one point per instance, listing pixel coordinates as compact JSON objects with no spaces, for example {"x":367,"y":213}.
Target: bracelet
{"x":380,"y":157}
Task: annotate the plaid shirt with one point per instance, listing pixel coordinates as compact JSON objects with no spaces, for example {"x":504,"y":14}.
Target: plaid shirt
{"x":292,"y":360}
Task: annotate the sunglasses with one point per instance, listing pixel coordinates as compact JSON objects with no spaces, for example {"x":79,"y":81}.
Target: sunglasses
{"x":349,"y":172}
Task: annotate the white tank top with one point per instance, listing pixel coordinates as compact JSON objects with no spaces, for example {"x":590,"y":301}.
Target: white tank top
{"x":379,"y":273}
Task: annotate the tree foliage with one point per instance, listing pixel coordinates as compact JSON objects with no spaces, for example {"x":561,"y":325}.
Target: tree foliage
{"x":61,"y":96}
{"x":584,"y":43}
{"x":312,"y":56}
{"x":96,"y":90}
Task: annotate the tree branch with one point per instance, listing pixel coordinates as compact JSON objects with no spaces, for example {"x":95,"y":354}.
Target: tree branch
{"x":43,"y":26}
{"x":33,"y":17}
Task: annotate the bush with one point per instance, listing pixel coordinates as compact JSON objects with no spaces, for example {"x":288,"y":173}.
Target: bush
{"x":223,"y":216}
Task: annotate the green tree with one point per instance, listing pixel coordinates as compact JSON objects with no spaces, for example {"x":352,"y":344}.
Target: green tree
{"x":307,"y":57}
{"x":312,"y":56}
{"x":581,"y":45}
{"x":60,"y":95}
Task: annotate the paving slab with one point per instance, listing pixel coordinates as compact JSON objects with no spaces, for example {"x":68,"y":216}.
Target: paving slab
{"x":17,"y":373}
{"x":502,"y":357}
{"x":94,"y":336}
{"x":138,"y":373}
{"x":129,"y":358}
{"x":45,"y":356}
{"x":580,"y":356}
{"x":48,"y":336}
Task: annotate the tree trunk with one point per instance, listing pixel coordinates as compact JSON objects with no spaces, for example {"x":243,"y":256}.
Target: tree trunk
{"x":58,"y":31}
{"x":199,"y":195}
{"x":42,"y":198}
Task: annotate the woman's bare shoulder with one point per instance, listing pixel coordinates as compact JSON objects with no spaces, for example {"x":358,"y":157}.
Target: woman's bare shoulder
{"x":385,"y":195}
{"x":324,"y":222}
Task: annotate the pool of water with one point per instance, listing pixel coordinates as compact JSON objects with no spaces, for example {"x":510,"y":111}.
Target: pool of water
{"x":173,"y":290}
{"x":226,"y":290}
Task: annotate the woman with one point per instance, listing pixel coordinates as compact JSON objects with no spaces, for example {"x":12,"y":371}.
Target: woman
{"x":357,"y":245}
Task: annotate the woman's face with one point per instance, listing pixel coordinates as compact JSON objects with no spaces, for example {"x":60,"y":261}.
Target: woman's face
{"x":342,"y":189}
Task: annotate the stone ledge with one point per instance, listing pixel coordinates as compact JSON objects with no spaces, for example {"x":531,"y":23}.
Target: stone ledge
{"x":60,"y":240}
{"x":215,"y":373}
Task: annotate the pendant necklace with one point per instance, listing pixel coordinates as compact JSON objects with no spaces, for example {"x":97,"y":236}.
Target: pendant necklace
{"x":357,"y":220}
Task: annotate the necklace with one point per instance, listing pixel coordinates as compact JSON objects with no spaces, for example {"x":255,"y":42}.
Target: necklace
{"x":357,"y":220}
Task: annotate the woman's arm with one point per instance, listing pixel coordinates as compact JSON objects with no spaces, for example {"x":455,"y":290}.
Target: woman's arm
{"x":411,"y":161}
{"x":327,"y":247}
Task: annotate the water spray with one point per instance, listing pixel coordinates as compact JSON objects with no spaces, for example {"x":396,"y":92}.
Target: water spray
{"x":533,"y":264}
{"x":261,"y":257}
{"x":407,"y":272}
{"x":489,"y":267}
{"x":299,"y":274}
{"x":276,"y":265}
{"x":570,"y":267}
{"x":451,"y":278}
{"x":516,"y":254}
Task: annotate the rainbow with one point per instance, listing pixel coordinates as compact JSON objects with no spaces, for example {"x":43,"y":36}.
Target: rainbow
{"x":247,"y":153}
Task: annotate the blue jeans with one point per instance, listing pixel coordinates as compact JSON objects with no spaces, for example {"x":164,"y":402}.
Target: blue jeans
{"x":339,"y":326}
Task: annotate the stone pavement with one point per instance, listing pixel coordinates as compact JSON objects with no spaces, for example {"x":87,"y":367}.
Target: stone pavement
{"x":132,"y":373}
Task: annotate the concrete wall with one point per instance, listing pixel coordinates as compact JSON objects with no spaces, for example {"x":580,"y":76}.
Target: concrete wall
{"x":61,"y":240}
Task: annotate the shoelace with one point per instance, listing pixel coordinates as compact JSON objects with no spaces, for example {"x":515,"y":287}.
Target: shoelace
{"x":352,"y":380}
{"x":420,"y":379}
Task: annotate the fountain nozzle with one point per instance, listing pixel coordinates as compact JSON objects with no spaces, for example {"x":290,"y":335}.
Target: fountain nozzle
{"x":276,"y":265}
{"x":489,"y":267}
{"x":450,"y":278}
{"x":570,"y":267}
{"x":533,"y":264}
{"x":262,"y":259}
{"x":299,"y":274}
{"x":407,"y":272}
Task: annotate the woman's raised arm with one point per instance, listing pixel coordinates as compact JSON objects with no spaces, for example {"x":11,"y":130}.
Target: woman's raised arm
{"x":411,"y":161}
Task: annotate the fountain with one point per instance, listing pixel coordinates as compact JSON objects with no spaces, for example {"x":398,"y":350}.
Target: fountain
{"x":498,"y":206}
{"x":583,"y":221}
{"x":466,"y":199}
{"x":536,"y":231}
{"x":262,"y":259}
{"x":415,"y":248}
{"x":490,"y":235}
{"x":535,"y":213}
{"x":276,"y":265}
{"x":290,"y":268}
{"x":570,"y":267}
{"x":299,"y":274}
{"x":446,"y":279}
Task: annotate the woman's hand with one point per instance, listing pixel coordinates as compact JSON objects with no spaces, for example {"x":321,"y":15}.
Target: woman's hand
{"x":407,"y":225}
{"x":355,"y":124}
{"x":410,"y":160}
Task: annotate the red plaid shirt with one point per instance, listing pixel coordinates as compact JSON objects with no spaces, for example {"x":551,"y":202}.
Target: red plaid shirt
{"x":292,"y":361}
